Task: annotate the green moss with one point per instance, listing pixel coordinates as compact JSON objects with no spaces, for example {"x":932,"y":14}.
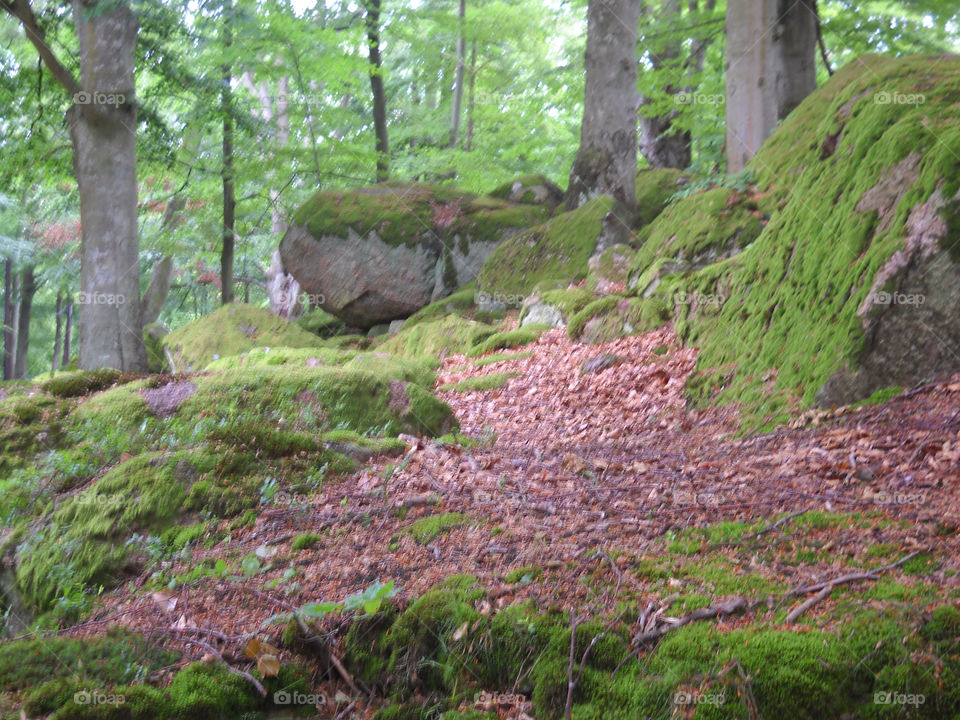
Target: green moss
{"x":492,"y":381}
{"x":789,"y":301}
{"x":425,"y":530}
{"x":231,"y":330}
{"x":321,"y":323}
{"x":654,"y":188}
{"x":407,"y":214}
{"x":460,"y":302}
{"x":450,"y":335}
{"x":85,"y":541}
{"x":523,"y":574}
{"x":304,"y":541}
{"x":530,"y":189}
{"x":81,"y":383}
{"x":880,"y":396}
{"x":508,"y":339}
{"x":613,"y":317}
{"x":548,"y":256}
{"x":501,"y":357}
{"x":309,"y":357}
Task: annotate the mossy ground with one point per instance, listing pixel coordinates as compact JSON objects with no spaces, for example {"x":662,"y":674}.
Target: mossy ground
{"x":492,"y":381}
{"x":231,"y":330}
{"x":508,"y":339}
{"x":441,"y":649}
{"x":449,"y":335}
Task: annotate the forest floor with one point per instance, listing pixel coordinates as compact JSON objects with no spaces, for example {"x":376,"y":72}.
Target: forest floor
{"x":582,"y":490}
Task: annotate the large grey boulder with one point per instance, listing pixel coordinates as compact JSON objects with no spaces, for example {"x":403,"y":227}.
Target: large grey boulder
{"x":376,"y":254}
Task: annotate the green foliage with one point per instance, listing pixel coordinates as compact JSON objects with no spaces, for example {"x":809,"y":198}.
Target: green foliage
{"x":81,"y":383}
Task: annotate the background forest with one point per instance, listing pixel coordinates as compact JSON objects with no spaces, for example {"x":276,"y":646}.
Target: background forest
{"x":274,"y":99}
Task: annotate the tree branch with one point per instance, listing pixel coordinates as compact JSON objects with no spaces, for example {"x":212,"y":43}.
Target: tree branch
{"x":21,"y":10}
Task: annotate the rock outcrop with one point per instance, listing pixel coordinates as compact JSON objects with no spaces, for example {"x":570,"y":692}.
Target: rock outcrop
{"x":376,"y":254}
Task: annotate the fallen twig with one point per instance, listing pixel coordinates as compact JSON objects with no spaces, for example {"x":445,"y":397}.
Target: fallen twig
{"x":825,"y":587}
{"x":723,"y":607}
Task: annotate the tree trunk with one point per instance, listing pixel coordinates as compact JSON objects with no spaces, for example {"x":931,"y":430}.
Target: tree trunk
{"x":458,"y":78}
{"x":376,"y":86}
{"x":606,"y":162}
{"x":8,"y":322}
{"x":468,"y":144}
{"x":58,"y":335}
{"x":28,"y":287}
{"x":67,"y":331}
{"x":229,"y":201}
{"x":661,"y":144}
{"x":157,"y":291}
{"x":770,"y":70}
{"x":282,"y":289}
{"x":103,"y":123}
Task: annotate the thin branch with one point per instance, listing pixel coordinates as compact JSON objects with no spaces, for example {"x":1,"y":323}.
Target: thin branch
{"x":21,"y":10}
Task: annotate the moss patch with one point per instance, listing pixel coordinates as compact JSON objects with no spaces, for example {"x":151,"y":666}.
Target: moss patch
{"x":231,"y":330}
{"x":450,"y":335}
{"x":548,"y":256}
{"x":491,"y":381}
{"x":508,"y":339}
{"x":425,"y":530}
{"x":410,"y":214}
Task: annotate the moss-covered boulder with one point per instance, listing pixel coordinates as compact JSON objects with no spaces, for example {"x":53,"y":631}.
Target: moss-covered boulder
{"x":556,"y":253}
{"x":530,"y":190}
{"x":853,"y":283}
{"x":375,"y":254}
{"x":231,"y":330}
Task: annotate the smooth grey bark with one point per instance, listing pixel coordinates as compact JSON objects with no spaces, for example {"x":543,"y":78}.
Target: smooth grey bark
{"x":606,"y":162}
{"x":770,"y":70}
{"x":102,"y":125}
{"x":457,"y":104}
{"x":156,"y":293}
{"x":28,"y":288}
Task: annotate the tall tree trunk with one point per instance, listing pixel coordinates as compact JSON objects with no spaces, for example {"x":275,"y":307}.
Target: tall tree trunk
{"x":229,"y":201}
{"x":606,"y":162}
{"x":28,"y":287}
{"x":376,"y":86}
{"x":770,"y":70}
{"x":67,"y":331}
{"x":156,"y":293}
{"x":58,"y":335}
{"x":8,"y":321}
{"x":103,"y":124}
{"x":471,"y":88}
{"x":458,"y":77}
